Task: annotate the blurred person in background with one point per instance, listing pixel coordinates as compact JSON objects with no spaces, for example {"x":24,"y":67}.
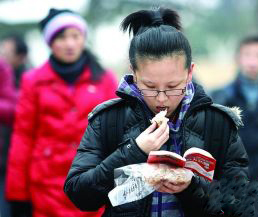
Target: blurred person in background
{"x":51,"y":117}
{"x":15,"y":51}
{"x":243,"y":92}
{"x":7,"y":108}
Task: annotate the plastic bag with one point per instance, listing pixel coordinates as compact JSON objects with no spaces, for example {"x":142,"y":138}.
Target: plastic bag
{"x":136,"y":181}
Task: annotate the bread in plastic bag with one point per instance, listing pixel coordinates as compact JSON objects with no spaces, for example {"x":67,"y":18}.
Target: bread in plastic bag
{"x":136,"y":181}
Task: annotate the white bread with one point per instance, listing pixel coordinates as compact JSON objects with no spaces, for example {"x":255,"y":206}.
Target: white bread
{"x":163,"y":172}
{"x":160,"y":118}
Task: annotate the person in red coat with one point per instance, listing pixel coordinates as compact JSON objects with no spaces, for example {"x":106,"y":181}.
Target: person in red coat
{"x":51,"y":117}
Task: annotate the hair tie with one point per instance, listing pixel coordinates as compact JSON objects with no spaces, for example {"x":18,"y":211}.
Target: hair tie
{"x":157,"y":19}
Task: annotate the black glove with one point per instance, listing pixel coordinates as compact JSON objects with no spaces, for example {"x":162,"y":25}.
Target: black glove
{"x":21,"y":208}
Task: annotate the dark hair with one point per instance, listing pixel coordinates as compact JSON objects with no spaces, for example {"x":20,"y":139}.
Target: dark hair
{"x":57,"y":35}
{"x":248,"y":40}
{"x":21,"y":47}
{"x":156,"y":33}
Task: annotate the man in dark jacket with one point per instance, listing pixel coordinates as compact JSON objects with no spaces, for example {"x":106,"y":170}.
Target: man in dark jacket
{"x":243,"y":92}
{"x":160,"y":57}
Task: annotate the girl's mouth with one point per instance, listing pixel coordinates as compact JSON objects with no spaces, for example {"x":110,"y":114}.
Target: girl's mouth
{"x":161,"y":108}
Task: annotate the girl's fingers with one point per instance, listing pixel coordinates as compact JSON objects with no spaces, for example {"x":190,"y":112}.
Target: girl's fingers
{"x":151,"y":128}
{"x":163,"y":137}
{"x":159,"y":131}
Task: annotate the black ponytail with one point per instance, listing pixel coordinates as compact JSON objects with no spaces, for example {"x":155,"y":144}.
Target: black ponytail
{"x":148,"y":18}
{"x":156,"y":33}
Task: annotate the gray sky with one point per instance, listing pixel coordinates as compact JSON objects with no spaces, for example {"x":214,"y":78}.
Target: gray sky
{"x":20,"y":11}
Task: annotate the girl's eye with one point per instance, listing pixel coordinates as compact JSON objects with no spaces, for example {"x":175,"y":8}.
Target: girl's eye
{"x":150,"y":87}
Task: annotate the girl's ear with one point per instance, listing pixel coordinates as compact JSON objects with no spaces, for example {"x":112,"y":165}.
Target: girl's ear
{"x":190,"y":73}
{"x":131,"y":68}
{"x":134,"y":75}
{"x":134,"y":78}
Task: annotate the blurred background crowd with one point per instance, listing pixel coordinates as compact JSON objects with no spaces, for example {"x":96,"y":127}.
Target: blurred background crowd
{"x":214,"y":29}
{"x":223,"y":35}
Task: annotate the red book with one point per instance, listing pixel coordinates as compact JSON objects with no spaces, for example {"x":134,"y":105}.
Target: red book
{"x":198,"y":160}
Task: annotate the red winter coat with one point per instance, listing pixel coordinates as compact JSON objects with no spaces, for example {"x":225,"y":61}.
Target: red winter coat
{"x":50,"y":120}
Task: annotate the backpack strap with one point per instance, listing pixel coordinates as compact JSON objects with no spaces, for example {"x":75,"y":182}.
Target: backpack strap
{"x":112,"y":117}
{"x":216,"y":136}
{"x":112,"y":126}
{"x":103,"y":106}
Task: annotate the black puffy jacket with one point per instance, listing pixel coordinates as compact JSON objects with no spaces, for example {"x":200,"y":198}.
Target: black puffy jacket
{"x":91,"y":175}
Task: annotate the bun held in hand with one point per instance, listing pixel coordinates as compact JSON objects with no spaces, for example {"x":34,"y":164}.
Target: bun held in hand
{"x":160,"y":118}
